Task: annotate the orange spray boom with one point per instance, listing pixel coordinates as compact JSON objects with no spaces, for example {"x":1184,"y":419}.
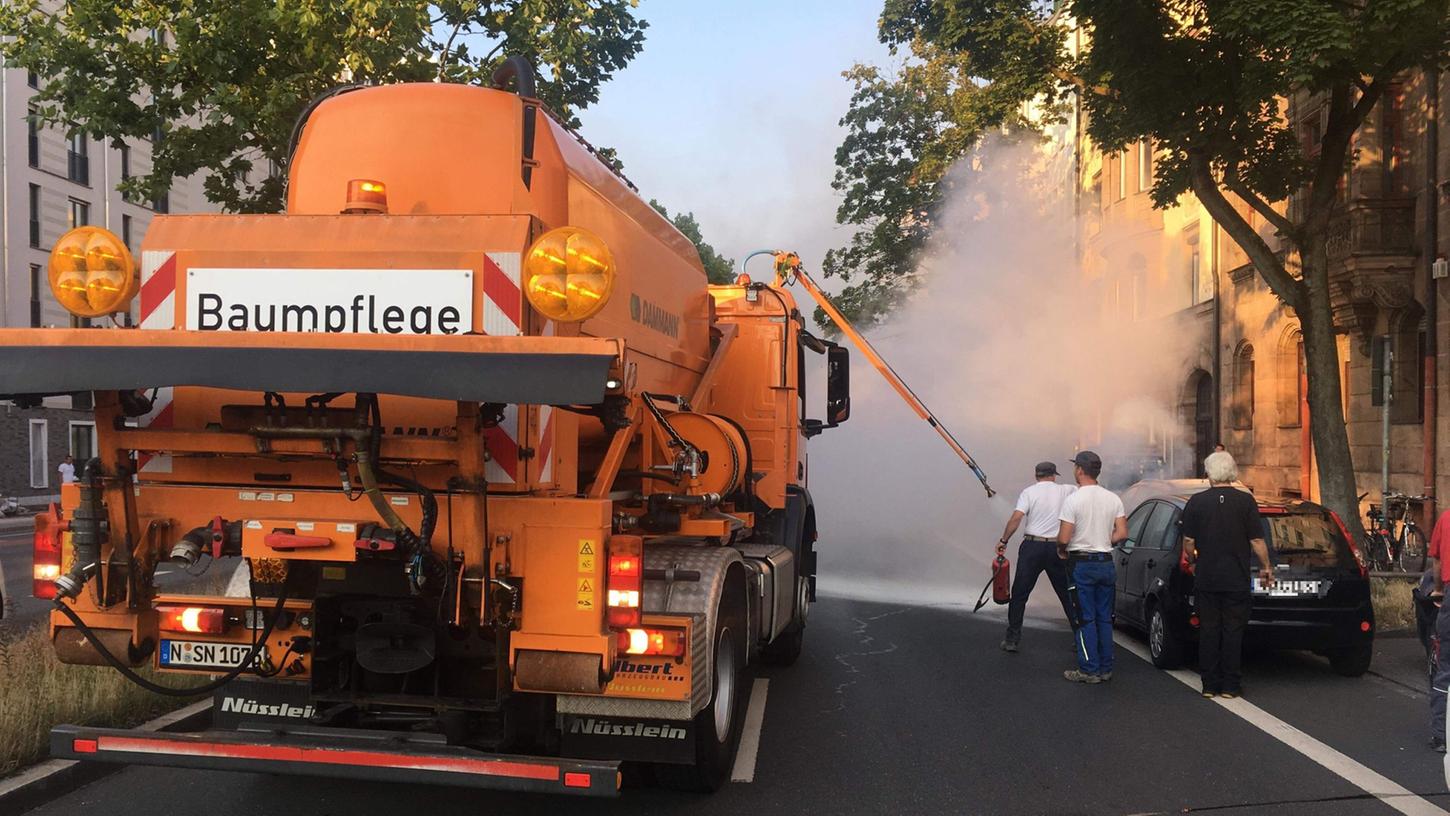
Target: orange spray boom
{"x":787,"y":269}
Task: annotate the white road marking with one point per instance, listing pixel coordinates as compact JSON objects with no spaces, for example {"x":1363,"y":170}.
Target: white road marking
{"x":1400,"y":798}
{"x":744,"y":770}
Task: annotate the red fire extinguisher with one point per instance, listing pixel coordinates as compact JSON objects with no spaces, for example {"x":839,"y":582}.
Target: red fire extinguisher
{"x":1000,"y":583}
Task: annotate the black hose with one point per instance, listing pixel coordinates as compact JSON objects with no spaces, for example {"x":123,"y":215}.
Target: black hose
{"x":193,"y":691}
{"x":522,"y":73}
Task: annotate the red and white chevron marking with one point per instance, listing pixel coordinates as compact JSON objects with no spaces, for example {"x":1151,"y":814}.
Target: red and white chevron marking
{"x":158,"y":311}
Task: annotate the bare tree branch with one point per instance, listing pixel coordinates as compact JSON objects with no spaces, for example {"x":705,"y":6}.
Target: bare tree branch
{"x":1263,"y":257}
{"x":1235,"y":185}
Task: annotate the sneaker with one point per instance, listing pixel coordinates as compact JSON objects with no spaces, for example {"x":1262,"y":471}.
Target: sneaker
{"x":1075,"y":676}
{"x":1009,"y":646}
{"x":1437,"y":745}
{"x":1210,"y":693}
{"x":1105,"y":676}
{"x":1229,"y":695}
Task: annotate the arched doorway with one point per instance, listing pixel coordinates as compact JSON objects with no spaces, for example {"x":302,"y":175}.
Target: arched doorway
{"x":1200,"y":384}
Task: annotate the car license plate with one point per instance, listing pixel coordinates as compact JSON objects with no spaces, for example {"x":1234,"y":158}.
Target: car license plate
{"x":1288,"y":588}
{"x":193,"y":654}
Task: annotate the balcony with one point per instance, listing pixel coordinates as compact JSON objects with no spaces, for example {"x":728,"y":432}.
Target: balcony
{"x":1372,"y":254}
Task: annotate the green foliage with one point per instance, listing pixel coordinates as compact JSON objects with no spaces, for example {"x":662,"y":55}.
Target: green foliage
{"x":222,"y":84}
{"x":718,"y":268}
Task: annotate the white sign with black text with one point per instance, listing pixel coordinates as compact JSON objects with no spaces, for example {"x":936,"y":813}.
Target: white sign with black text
{"x":333,"y":301}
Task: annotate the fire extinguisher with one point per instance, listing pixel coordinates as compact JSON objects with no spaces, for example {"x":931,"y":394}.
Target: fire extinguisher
{"x":1000,"y":583}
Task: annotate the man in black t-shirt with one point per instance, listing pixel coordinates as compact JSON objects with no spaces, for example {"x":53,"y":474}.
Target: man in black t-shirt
{"x":1220,"y":527}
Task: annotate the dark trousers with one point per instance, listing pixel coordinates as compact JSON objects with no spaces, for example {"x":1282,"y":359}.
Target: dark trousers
{"x":1440,"y":675}
{"x":1222,"y":619}
{"x":1033,"y":559}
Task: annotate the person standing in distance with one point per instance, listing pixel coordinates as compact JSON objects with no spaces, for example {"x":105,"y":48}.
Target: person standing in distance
{"x":1092,"y":522}
{"x":1221,"y":526}
{"x":1039,"y":506}
{"x":67,"y":470}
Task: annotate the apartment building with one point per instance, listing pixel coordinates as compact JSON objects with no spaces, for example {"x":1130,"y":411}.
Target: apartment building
{"x":49,"y":183}
{"x":1238,"y":351}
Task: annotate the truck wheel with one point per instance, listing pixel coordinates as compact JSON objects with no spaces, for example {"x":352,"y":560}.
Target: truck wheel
{"x":785,"y":650}
{"x":718,"y":725}
{"x":1166,"y":650}
{"x":1353,"y":661}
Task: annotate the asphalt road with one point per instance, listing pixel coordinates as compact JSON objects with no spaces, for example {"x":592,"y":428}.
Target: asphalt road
{"x":23,"y":610}
{"x":912,"y":709}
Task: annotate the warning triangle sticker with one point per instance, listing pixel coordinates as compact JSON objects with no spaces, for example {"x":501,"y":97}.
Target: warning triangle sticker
{"x":586,"y":548}
{"x":585,"y":586}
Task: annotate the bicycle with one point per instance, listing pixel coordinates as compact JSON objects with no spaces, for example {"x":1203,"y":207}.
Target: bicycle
{"x":1395,"y":540}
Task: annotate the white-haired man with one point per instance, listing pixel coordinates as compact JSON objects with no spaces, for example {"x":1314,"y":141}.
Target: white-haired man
{"x":1221,"y":526}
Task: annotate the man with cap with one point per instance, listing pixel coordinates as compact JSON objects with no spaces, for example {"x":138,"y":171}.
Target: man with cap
{"x":1039,"y":506}
{"x":1093,"y":520}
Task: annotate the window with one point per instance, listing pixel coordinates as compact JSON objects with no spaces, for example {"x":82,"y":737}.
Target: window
{"x":80,"y":213}
{"x":39,"y":458}
{"x":82,"y":440}
{"x":162,"y":204}
{"x":35,"y":215}
{"x":1136,"y":522}
{"x":125,"y":151}
{"x":32,"y":138}
{"x":1291,"y":382}
{"x":32,"y":79}
{"x":1156,"y":530}
{"x":1145,"y":166}
{"x":1243,"y":393}
{"x":1195,"y":273}
{"x":78,"y":159}
{"x":1395,"y":154}
{"x":126,"y":232}
{"x":37,"y":275}
{"x":1122,"y":175}
{"x":1407,"y":405}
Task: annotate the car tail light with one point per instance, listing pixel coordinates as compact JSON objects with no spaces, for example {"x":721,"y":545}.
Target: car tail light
{"x":47,"y":553}
{"x":669,"y":642}
{"x":1193,"y":621}
{"x":1354,"y":550}
{"x":196,"y":619}
{"x":1364,"y":626}
{"x":626,"y":580}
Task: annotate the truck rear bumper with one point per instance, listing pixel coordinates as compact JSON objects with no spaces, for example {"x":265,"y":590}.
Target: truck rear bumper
{"x":340,"y":754}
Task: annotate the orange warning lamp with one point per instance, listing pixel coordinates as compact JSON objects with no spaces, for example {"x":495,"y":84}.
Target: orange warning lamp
{"x":366,"y":196}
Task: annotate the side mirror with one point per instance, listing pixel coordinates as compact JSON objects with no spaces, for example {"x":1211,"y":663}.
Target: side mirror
{"x":838,"y":385}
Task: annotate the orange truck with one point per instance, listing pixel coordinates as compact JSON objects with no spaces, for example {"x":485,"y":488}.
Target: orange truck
{"x":519,"y":496}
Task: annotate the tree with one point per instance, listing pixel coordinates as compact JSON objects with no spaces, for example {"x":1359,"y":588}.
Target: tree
{"x":217,"y":87}
{"x":1205,"y":81}
{"x":718,"y":268}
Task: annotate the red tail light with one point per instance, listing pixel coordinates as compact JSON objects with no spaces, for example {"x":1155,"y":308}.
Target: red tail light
{"x":1353,"y":548}
{"x":669,"y":642}
{"x":196,"y":619}
{"x":47,"y":553}
{"x":626,"y":580}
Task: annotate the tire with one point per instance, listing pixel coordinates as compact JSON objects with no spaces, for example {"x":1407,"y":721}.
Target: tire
{"x":1164,"y":647}
{"x":785,"y":650}
{"x":1353,"y":661}
{"x":1413,"y":552}
{"x":718,"y":726}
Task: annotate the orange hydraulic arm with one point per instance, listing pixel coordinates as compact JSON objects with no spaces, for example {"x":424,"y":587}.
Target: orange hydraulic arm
{"x":788,"y":269}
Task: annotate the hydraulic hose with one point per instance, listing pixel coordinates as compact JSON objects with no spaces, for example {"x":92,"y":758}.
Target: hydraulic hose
{"x":205,"y":688}
{"x":86,"y":533}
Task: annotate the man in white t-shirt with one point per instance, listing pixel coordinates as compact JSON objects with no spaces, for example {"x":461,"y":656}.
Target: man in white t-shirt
{"x":67,"y":470}
{"x":1039,"y":506}
{"x":1093,"y":520}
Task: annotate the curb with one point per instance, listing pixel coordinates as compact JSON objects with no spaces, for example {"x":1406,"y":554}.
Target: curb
{"x":37,"y":784}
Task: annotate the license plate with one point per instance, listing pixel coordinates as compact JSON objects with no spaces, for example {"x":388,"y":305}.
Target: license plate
{"x":194,"y":654}
{"x":1288,"y":588}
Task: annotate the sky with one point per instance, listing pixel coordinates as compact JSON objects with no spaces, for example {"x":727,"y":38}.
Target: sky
{"x":731,"y":111}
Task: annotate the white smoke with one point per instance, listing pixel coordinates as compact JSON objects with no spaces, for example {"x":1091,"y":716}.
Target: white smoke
{"x":1018,"y":357}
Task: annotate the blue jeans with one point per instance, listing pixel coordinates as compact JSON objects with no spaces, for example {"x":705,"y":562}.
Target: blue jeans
{"x":1096,"y":583}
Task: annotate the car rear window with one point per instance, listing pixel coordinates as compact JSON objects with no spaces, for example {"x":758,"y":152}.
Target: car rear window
{"x":1307,"y":540}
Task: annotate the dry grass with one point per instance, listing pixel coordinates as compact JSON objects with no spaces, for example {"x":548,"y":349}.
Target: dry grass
{"x":1394,"y":606}
{"x":37,"y":691}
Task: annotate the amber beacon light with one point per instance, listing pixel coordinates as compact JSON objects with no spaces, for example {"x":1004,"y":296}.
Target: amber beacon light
{"x":568,"y":274}
{"x":91,"y":273}
{"x":366,"y":196}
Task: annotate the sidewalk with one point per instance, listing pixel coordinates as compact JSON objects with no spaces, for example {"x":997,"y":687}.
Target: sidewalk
{"x":15,"y":523}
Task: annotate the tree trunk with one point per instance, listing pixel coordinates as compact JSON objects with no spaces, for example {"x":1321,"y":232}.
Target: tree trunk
{"x":1327,"y":429}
